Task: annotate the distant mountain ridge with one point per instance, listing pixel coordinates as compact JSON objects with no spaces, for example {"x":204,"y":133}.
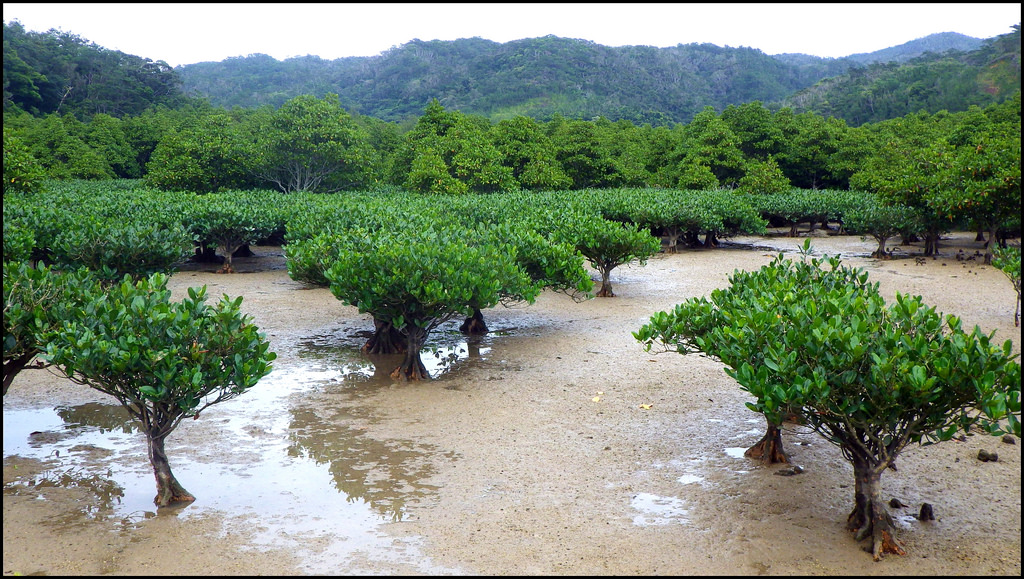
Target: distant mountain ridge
{"x":937,"y":43}
{"x":59,"y":72}
{"x":950,"y":80}
{"x":540,"y":77}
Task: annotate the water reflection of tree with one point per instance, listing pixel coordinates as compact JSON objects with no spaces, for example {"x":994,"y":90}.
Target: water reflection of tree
{"x":105,"y":417}
{"x":441,"y":354}
{"x":107,"y":492}
{"x":384,"y":474}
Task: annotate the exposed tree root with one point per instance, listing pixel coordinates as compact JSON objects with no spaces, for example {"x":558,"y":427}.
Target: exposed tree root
{"x":474,"y":325}
{"x":870,"y":519}
{"x":769,"y":449}
{"x":385,"y":340}
{"x":412,"y":368}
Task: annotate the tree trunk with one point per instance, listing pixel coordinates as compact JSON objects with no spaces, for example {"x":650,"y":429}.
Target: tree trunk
{"x":168,"y":490}
{"x":870,"y":517}
{"x":710,"y":240}
{"x":769,"y":449}
{"x":14,"y":366}
{"x":474,"y":325}
{"x":989,"y":246}
{"x":227,"y":252}
{"x":606,"y":283}
{"x":931,"y":244}
{"x":385,"y":339}
{"x":880,"y":253}
{"x":672,"y":234}
{"x":412,"y":367}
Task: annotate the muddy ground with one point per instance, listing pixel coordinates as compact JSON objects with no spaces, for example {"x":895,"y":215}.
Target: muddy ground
{"x":554,"y":445}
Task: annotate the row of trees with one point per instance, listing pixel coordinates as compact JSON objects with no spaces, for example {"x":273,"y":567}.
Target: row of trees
{"x":542,"y":234}
{"x":945,"y":164}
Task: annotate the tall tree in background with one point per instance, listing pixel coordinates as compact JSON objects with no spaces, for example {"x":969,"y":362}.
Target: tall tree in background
{"x":579,"y":149}
{"x":310,"y":144}
{"x":530,"y":154}
{"x":449,"y":152}
{"x":209,"y":154}
{"x":708,"y":141}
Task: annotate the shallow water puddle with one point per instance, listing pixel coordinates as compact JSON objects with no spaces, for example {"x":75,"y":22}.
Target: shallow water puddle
{"x":735,"y":452}
{"x":301,"y":472}
{"x":658,"y":510}
{"x":338,"y":354}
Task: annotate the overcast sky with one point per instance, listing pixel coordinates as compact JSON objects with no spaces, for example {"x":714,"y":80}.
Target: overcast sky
{"x":188,"y":33}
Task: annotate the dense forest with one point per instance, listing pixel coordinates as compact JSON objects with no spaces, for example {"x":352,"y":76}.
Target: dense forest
{"x":541,"y":77}
{"x":74,"y":110}
{"x":931,"y":82}
{"x":59,"y":72}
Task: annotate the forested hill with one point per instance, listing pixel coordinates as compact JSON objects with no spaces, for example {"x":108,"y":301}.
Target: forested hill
{"x":59,"y":72}
{"x":950,"y":81}
{"x":937,"y":43}
{"x":540,"y":77}
{"x":536,"y":77}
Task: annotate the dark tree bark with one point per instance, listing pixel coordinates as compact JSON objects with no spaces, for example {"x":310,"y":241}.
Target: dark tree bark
{"x":931,"y":244}
{"x":672,"y":234}
{"x":14,"y":366}
{"x":228,"y":251}
{"x":606,"y":283}
{"x":989,"y":246}
{"x":769,"y":449}
{"x":168,"y":490}
{"x":412,"y":367}
{"x":881,"y":253}
{"x":870,"y":517}
{"x":385,"y":339}
{"x":474,"y":325}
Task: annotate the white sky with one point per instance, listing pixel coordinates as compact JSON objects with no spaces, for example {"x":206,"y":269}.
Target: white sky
{"x":188,"y":33}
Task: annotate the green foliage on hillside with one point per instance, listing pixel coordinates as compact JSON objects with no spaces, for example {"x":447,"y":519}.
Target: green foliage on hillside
{"x":60,"y":72}
{"x":536,"y":77}
{"x":950,"y":81}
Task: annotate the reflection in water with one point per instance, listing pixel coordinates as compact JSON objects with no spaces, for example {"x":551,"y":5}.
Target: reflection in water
{"x":340,"y":354}
{"x":105,"y":417}
{"x":316,"y":488}
{"x":107,"y":492}
{"x":386,"y":475}
{"x":77,"y":454}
